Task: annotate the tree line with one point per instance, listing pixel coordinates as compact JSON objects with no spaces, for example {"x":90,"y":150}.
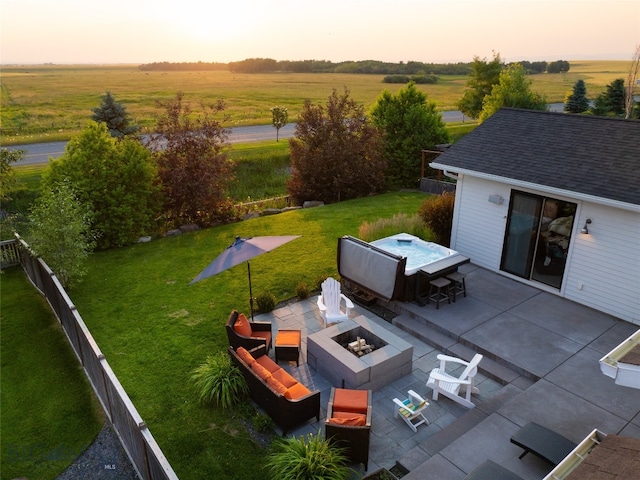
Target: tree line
{"x":269,"y":65}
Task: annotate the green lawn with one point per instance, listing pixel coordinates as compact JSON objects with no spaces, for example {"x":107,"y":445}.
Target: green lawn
{"x":155,"y":329}
{"x":49,"y":413}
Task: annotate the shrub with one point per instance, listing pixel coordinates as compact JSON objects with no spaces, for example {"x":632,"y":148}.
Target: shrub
{"x":302,"y":290}
{"x":116,"y":178}
{"x":315,"y":458}
{"x":400,"y":223}
{"x":266,"y":302}
{"x":437,"y":214}
{"x":336,"y":153}
{"x":219,"y":381}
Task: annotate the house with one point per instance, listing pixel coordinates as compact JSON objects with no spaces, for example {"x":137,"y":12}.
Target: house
{"x":553,"y":200}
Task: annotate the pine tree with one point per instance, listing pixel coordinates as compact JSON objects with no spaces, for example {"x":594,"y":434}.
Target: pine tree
{"x":115,"y":115}
{"x":576,"y":101}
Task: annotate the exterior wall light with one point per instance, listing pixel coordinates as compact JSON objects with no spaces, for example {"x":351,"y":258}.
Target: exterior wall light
{"x":585,"y":229}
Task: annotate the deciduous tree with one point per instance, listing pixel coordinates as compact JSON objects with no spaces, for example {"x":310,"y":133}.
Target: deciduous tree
{"x":60,"y":232}
{"x":193,"y":164}
{"x":115,"y":115}
{"x":117,"y":178}
{"x":513,"y":90}
{"x":409,"y":123}
{"x":577,"y":101}
{"x":336,"y":153}
{"x":279,"y":118}
{"x":484,"y":75}
{"x":631,"y":83}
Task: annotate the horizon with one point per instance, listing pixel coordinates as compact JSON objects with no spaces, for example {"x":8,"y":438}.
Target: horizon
{"x":74,"y":32}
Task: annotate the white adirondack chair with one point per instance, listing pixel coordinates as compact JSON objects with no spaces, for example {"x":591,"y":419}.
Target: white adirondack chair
{"x":329,"y":302}
{"x":442,"y":382}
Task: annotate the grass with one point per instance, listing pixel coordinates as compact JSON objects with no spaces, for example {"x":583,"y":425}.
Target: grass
{"x":49,"y":413}
{"x":43,"y":103}
{"x":155,"y":329}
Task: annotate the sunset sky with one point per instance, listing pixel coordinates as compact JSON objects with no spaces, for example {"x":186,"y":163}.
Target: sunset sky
{"x":438,"y":31}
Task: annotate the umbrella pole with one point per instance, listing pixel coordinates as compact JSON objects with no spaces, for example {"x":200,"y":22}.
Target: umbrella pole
{"x":250,"y":292}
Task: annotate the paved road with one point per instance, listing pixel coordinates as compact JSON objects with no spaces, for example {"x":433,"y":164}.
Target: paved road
{"x":43,"y":152}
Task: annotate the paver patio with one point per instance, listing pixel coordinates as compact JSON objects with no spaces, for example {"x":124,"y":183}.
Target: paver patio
{"x":541,"y":364}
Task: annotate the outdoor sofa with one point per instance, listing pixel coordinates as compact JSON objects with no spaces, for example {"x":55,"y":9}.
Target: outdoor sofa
{"x":288,"y":402}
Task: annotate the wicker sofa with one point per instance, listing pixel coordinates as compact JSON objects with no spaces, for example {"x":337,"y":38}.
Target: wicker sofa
{"x":288,"y":402}
{"x":348,"y":422}
{"x":243,"y":333}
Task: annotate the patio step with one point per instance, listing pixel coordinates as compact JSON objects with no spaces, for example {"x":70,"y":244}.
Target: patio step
{"x":415,"y":457}
{"x":423,"y":331}
{"x":495,"y":368}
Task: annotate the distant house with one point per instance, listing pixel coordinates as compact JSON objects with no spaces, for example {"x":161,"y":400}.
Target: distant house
{"x":553,"y":200}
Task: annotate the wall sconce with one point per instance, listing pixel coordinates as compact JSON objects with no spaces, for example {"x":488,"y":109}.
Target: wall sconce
{"x":585,"y":229}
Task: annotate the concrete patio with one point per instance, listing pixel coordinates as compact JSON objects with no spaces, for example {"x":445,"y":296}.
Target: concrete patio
{"x":541,"y":364}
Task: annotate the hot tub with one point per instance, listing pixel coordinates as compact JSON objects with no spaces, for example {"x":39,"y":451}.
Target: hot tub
{"x":418,"y":253}
{"x":396,"y":267}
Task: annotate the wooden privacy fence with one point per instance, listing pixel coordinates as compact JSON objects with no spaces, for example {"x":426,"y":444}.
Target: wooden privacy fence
{"x":142,"y":449}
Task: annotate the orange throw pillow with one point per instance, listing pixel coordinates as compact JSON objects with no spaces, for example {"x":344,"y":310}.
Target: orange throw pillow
{"x":267,"y":363}
{"x":276,"y":385}
{"x":283,"y":377}
{"x":347,"y":418}
{"x":262,"y":372}
{"x":244,"y":354}
{"x":296,"y":391}
{"x":242,"y":326}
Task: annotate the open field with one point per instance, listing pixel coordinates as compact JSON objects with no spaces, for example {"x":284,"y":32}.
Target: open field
{"x":55,"y":101}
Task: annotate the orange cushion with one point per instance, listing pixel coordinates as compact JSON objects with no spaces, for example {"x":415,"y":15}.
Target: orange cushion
{"x":242,"y":326}
{"x":260,"y":370}
{"x":296,"y":391}
{"x":283,"y":377}
{"x":267,"y":363}
{"x":262,"y":334}
{"x":244,"y":354}
{"x":348,"y":418}
{"x":288,"y":337}
{"x":346,"y":400}
{"x":276,"y":385}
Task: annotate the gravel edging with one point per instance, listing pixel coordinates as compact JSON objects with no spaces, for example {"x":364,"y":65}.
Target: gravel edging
{"x":104,"y":459}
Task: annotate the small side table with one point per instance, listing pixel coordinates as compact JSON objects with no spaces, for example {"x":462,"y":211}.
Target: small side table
{"x":287,"y":346}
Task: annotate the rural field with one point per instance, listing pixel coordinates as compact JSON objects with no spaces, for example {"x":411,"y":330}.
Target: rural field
{"x":53,"y":102}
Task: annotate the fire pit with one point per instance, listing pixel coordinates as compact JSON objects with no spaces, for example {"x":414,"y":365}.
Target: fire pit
{"x":390,"y":358}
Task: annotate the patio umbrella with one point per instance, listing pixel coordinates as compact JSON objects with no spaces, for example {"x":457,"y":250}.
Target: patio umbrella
{"x":243,"y":250}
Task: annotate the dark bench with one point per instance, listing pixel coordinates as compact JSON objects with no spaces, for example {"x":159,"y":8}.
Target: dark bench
{"x":542,"y":442}
{"x":491,"y":471}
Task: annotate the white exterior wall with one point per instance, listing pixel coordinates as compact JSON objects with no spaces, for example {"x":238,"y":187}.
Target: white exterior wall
{"x":478,"y":225}
{"x":606,"y":263}
{"x":603,"y":268}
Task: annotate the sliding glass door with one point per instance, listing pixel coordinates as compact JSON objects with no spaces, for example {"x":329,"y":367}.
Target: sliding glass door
{"x":537,"y":237}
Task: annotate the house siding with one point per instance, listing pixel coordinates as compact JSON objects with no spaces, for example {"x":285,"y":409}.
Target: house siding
{"x":603,"y":268}
{"x":606,"y":262}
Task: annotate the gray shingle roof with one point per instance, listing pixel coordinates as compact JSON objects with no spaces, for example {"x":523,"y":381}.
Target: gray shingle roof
{"x":598,"y":156}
